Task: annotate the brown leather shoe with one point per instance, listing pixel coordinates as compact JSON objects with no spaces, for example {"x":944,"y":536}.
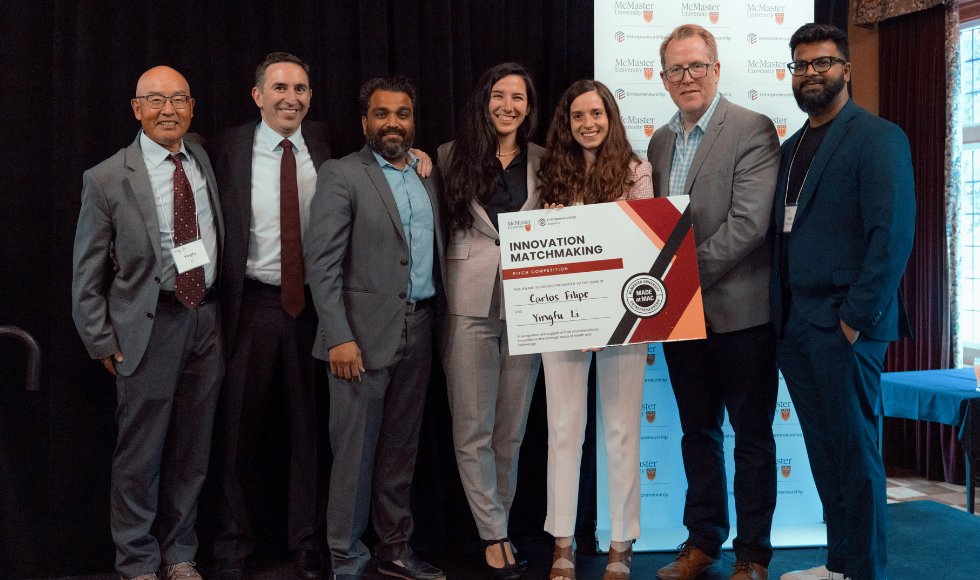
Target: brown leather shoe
{"x":689,"y":564}
{"x":749,"y":571}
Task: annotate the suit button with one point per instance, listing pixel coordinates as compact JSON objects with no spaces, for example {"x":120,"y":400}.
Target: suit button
{"x":156,"y":279}
{"x":404,"y":262}
{"x":149,"y":315}
{"x":497,"y":242}
{"x":402,"y":295}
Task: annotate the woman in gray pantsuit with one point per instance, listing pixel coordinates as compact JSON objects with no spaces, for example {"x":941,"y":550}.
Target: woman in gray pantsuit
{"x":490,"y":169}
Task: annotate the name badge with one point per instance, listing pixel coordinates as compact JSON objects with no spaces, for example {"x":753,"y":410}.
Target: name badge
{"x":190,"y":256}
{"x":788,"y":216}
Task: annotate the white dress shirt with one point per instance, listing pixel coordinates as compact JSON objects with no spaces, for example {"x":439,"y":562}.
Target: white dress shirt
{"x":161,"y":170}
{"x":264,"y":240}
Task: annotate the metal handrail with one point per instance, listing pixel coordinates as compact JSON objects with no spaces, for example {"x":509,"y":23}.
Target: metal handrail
{"x":33,"y":355}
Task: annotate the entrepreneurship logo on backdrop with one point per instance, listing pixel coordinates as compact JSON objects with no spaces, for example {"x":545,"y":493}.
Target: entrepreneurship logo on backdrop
{"x":752,"y":38}
{"x":650,"y":409}
{"x":620,"y":94}
{"x":785,"y":467}
{"x":650,"y":469}
{"x":620,"y":37}
{"x":753,"y":94}
{"x":542,"y":222}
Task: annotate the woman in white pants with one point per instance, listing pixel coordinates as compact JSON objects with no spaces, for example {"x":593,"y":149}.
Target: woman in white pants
{"x":490,"y":169}
{"x":588,"y":159}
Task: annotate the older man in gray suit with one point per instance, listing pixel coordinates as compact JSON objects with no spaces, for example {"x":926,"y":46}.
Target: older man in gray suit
{"x":726,"y":158}
{"x":372,"y":254}
{"x":146,"y":255}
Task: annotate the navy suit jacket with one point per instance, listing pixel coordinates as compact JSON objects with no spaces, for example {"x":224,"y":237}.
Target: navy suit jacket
{"x":231,"y":157}
{"x":853,"y":231}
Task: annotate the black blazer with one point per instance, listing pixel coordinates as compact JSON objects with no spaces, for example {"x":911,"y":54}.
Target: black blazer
{"x":231,"y":157}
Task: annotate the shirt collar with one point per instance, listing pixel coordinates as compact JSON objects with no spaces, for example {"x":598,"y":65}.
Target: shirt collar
{"x":156,"y":153}
{"x":412,"y":160}
{"x":676,"y":124}
{"x":273,"y":139}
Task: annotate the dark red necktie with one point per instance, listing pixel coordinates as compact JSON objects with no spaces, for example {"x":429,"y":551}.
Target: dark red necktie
{"x":291,"y":244}
{"x":190,"y":284}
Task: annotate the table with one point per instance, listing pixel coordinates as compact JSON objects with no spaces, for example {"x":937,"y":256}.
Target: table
{"x":948,"y":396}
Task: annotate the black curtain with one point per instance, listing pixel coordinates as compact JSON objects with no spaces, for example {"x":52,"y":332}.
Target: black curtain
{"x":69,"y":69}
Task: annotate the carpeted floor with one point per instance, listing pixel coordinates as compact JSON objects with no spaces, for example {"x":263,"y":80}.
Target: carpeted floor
{"x":927,"y":540}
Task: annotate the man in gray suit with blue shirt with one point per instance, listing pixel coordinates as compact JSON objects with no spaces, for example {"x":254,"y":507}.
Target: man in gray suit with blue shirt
{"x":146,"y":254}
{"x":372,"y":255}
{"x":725,"y":158}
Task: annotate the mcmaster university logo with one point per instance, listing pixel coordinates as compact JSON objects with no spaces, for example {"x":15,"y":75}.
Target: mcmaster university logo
{"x":780,"y":73}
{"x":648,"y":15}
{"x":648,"y":73}
{"x":780,"y":17}
{"x":648,"y":131}
{"x":713,"y":17}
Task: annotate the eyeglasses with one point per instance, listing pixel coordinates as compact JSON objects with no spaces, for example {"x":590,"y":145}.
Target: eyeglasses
{"x":821,"y":64}
{"x":697,"y":70}
{"x":158,"y":101}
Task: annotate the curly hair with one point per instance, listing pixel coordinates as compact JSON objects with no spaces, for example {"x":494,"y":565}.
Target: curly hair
{"x":563,"y":175}
{"x":472,"y":169}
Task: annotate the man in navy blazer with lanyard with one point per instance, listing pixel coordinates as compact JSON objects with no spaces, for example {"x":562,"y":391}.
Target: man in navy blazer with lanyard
{"x":844,"y":223}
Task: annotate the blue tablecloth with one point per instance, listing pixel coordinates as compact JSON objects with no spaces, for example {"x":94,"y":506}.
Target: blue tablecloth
{"x":945,"y":396}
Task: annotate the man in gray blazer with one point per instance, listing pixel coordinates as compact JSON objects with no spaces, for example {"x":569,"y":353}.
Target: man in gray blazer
{"x":372,"y":259}
{"x":146,"y":256}
{"x":267,"y":315}
{"x":725,"y":158}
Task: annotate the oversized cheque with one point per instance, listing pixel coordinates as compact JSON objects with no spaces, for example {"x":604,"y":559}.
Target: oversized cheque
{"x":600,"y":275}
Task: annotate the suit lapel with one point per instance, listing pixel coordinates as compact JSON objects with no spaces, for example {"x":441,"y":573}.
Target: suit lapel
{"x":377,"y":177}
{"x":838,"y":128}
{"x":202,"y":159}
{"x":481,"y":220}
{"x":707,"y":141}
{"x":138,"y":182}
{"x":666,"y":160}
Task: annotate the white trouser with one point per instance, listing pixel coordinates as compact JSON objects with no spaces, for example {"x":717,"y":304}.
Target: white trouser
{"x":619,"y":372}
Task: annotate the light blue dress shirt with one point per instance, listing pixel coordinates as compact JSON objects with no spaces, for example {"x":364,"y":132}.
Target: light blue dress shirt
{"x":685,"y":148}
{"x":418,"y":223}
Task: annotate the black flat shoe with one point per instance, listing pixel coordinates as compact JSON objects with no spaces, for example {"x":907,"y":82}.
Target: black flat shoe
{"x":509,"y":571}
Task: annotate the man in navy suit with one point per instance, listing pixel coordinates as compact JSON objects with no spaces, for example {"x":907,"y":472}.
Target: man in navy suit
{"x":844,"y":223}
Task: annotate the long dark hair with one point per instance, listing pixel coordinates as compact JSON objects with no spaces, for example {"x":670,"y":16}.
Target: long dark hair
{"x":472,"y":169}
{"x":563,"y":176}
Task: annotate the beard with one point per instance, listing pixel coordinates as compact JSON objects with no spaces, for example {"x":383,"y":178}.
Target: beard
{"x":815,"y":103}
{"x":391,"y":148}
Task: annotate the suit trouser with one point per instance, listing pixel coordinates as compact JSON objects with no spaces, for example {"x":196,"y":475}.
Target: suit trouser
{"x":164,"y":412}
{"x":619,"y":378}
{"x":374,"y":435}
{"x":733,"y":370}
{"x":269,"y":343}
{"x":836,"y":388}
{"x":489,"y":397}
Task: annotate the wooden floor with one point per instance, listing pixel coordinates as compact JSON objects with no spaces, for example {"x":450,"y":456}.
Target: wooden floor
{"x":904,"y":485}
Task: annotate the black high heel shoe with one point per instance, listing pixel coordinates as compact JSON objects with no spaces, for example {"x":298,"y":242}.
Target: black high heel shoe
{"x":509,"y":571}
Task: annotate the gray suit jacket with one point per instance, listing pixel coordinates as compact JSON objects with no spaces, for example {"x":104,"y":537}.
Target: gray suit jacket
{"x":731,"y":184}
{"x":473,"y":255}
{"x":116,"y":264}
{"x":357,"y":258}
